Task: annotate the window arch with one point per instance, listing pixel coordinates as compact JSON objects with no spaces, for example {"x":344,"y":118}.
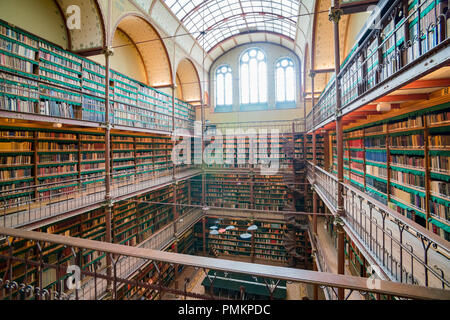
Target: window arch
{"x":224,"y":86}
{"x":253,"y":77}
{"x":285,"y":80}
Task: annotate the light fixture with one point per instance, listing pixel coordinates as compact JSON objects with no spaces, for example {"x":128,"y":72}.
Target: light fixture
{"x":252,"y":228}
{"x":214,"y":232}
{"x":57,"y":125}
{"x":245,"y":236}
{"x":230,"y":228}
{"x":205,"y":208}
{"x":383,"y":107}
{"x":222,"y":230}
{"x":213,"y":227}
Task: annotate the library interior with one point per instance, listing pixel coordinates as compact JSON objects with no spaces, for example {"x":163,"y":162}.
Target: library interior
{"x":215,"y":150}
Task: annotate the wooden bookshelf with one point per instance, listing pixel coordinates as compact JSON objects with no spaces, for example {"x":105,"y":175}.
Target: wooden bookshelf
{"x":268,"y":241}
{"x":74,"y":87}
{"x":403,"y":162}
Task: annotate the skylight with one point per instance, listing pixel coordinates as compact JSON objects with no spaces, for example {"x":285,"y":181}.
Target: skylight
{"x":212,"y":21}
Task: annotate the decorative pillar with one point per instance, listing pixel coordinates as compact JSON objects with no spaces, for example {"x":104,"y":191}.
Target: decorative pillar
{"x":334,"y":16}
{"x":204,"y":234}
{"x":173,"y":127}
{"x":108,"y":52}
{"x":314,"y":194}
{"x":315,"y":286}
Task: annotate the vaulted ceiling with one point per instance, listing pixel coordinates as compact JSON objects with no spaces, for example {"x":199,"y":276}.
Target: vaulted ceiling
{"x":219,"y":25}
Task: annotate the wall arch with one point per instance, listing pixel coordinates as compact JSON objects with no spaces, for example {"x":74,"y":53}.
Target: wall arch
{"x":188,"y":82}
{"x":48,"y":22}
{"x":149,"y":45}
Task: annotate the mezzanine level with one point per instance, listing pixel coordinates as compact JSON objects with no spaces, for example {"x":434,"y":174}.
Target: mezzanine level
{"x":408,"y":43}
{"x":89,"y":194}
{"x":402,"y":250}
{"x":120,"y":253}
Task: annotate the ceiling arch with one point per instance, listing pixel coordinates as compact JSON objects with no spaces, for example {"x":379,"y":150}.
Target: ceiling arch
{"x":212,"y":22}
{"x":150,"y":46}
{"x":92,"y":33}
{"x":188,"y":82}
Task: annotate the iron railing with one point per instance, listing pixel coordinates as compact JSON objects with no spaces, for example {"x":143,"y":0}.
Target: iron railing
{"x":398,"y":246}
{"x":87,"y":107}
{"x":40,"y":243}
{"x":399,"y":40}
{"x":86,"y":193}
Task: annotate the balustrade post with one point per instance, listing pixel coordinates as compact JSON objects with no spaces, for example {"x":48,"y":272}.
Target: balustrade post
{"x":335,"y":14}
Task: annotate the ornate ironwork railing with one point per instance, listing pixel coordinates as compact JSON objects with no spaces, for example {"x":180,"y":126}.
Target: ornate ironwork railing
{"x":86,"y":192}
{"x":22,"y":273}
{"x":403,"y":250}
{"x":122,"y":113}
{"x":404,"y":35}
{"x":283,"y":126}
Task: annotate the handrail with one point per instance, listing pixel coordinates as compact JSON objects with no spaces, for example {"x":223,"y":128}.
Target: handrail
{"x":92,"y":96}
{"x":271,"y":272}
{"x":411,"y":225}
{"x":368,"y":228}
{"x":357,"y":78}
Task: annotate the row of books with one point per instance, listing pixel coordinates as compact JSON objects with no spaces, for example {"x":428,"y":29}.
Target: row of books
{"x":440,"y":163}
{"x":376,"y":156}
{"x":57,"y":146}
{"x":408,"y":198}
{"x":19,"y":36}
{"x":15,"y":146}
{"x":15,"y":160}
{"x":440,"y":187}
{"x":17,"y":49}
{"x":407,"y":160}
{"x":6,"y":174}
{"x":407,"y":124}
{"x":412,"y":141}
{"x":57,"y":157}
{"x":15,"y":63}
{"x":66,"y":69}
{"x":441,"y":211}
{"x":408,"y":178}
{"x":440,"y":141}
{"x":436,"y":118}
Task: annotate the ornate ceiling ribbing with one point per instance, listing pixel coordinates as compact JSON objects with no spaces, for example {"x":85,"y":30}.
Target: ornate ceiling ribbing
{"x":213,"y":21}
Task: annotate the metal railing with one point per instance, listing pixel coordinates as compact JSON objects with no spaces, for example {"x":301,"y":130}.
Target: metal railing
{"x":283,"y":126}
{"x":86,"y":193}
{"x":25,"y":288}
{"x":125,"y":266}
{"x":398,"y":246}
{"x":84,"y":106}
{"x":398,"y":41}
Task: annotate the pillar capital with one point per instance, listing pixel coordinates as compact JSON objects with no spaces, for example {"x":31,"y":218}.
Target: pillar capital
{"x":334,"y":14}
{"x":108,"y":51}
{"x":339,"y":223}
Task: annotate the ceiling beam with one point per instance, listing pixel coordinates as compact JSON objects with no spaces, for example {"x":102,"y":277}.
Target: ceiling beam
{"x":357,"y":6}
{"x":403,"y":97}
{"x":323,"y":70}
{"x":422,"y":84}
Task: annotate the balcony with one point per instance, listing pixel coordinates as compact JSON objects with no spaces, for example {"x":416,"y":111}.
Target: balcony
{"x":399,"y":50}
{"x":402,"y":250}
{"x":88,"y":110}
{"x":126,"y":266}
{"x":129,"y":258}
{"x":89,"y":194}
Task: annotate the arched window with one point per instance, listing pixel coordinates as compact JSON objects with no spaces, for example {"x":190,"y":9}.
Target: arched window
{"x":224,"y":86}
{"x":285,"y":80}
{"x":253,"y":77}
